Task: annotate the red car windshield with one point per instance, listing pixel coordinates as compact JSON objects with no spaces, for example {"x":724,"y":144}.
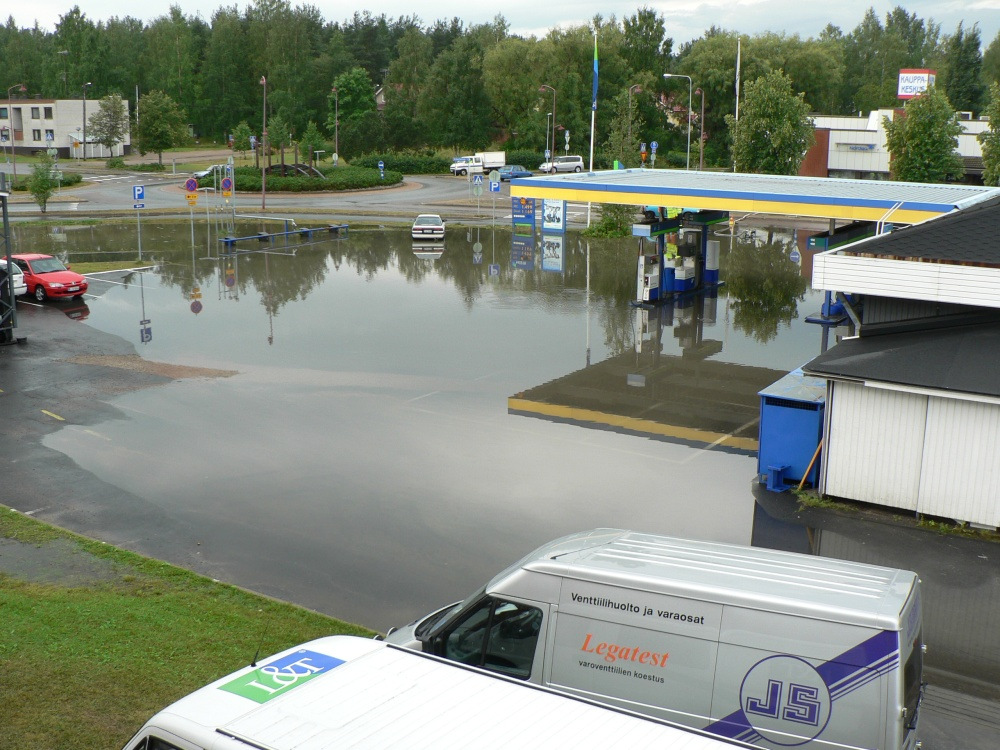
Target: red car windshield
{"x":47,"y":265}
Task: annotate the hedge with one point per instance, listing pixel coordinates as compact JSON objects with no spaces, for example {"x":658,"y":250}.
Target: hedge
{"x":405,"y":162}
{"x":337,"y":178}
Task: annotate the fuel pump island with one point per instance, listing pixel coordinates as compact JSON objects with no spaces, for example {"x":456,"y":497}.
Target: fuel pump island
{"x":675,"y":254}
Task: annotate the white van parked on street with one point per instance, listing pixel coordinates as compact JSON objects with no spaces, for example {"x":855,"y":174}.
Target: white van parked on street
{"x":773,"y":648}
{"x":346,"y":692}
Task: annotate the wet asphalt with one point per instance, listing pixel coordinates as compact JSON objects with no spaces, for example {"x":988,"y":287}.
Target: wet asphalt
{"x":42,"y":389}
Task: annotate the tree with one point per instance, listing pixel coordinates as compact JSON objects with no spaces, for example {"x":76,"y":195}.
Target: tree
{"x":241,"y":138}
{"x":41,"y":184}
{"x":312,"y":140}
{"x":922,"y":142}
{"x":109,"y":124}
{"x":990,"y":139}
{"x":159,"y":124}
{"x":963,"y":78}
{"x":774,"y":130}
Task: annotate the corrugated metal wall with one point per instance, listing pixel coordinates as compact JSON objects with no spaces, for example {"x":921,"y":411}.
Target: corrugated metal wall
{"x":960,"y":471}
{"x":891,"y":310}
{"x":873,"y":445}
{"x":936,"y":456}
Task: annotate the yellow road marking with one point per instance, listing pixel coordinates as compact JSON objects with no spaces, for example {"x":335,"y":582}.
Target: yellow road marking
{"x":54,"y":416}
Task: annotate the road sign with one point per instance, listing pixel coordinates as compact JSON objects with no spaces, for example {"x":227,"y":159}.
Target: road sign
{"x":494,"y":175}
{"x":381,"y":165}
{"x":192,"y":200}
{"x":191,"y":184}
{"x":196,"y":307}
{"x":138,"y":193}
{"x":227,"y":186}
{"x":477,"y":190}
{"x":494,"y":187}
{"x":653,"y":146}
{"x":548,"y":154}
{"x":477,"y":180}
{"x":138,"y":205}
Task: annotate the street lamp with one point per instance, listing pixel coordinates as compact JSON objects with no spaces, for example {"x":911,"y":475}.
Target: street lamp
{"x":701,"y":132}
{"x":336,"y":125}
{"x":637,"y":89}
{"x":546,"y":87}
{"x":263,"y":148}
{"x":64,"y":53}
{"x":547,"y":137}
{"x":690,"y":97}
{"x":10,"y":122}
{"x":85,"y":86}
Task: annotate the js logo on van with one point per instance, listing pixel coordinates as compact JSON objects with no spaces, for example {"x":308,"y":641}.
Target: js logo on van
{"x":786,"y":700}
{"x":281,"y":675}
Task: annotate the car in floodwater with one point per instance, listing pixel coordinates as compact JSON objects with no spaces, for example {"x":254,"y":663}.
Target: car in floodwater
{"x":47,"y":277}
{"x":427,"y":227}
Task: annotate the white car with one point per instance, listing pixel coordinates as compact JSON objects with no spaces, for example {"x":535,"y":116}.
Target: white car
{"x":563,"y":164}
{"x":428,"y":227}
{"x":19,"y":286}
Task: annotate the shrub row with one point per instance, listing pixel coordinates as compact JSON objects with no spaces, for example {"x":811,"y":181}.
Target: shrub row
{"x":337,"y":178}
{"x":405,"y":162}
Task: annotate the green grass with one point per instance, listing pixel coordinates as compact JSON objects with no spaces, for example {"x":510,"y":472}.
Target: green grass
{"x":85,"y":666}
{"x":107,"y":265}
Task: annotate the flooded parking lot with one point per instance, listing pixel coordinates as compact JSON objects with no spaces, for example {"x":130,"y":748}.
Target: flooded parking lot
{"x":405,"y":420}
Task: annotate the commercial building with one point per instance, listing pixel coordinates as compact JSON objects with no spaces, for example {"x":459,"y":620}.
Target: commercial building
{"x":28,"y":126}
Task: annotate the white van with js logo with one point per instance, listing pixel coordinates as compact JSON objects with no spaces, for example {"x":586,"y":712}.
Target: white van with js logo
{"x":772,"y":648}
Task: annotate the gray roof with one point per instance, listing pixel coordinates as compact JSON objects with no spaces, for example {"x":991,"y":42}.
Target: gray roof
{"x":966,"y":236}
{"x":963,"y":359}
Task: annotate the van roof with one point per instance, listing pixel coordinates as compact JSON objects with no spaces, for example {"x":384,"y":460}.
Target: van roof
{"x":377,"y":695}
{"x":754,"y":577}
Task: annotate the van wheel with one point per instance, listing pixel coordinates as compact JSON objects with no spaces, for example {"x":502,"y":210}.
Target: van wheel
{"x":552,"y":171}
{"x":578,"y":169}
{"x":39,"y":292}
{"x":463,"y":172}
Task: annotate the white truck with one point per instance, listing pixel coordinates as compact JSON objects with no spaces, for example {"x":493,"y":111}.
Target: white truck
{"x":773,"y":648}
{"x":345,"y":692}
{"x":480,"y":162}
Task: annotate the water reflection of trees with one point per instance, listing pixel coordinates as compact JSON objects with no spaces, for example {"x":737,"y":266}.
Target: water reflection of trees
{"x":764,"y":286}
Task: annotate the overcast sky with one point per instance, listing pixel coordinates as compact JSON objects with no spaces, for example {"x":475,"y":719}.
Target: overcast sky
{"x":686,"y":19}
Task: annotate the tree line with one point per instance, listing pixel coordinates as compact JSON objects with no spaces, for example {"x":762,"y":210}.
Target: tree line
{"x":451,"y":86}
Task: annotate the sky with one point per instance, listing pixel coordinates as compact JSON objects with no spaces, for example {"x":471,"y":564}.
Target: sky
{"x":685,"y":19}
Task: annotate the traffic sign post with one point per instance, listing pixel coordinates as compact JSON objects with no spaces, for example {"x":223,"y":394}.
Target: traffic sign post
{"x":652,"y":157}
{"x":138,"y":198}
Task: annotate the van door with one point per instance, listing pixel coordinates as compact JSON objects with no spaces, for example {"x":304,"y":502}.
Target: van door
{"x":497,"y":634}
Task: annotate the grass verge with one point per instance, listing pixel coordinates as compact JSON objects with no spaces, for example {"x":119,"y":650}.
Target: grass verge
{"x":86,"y":665}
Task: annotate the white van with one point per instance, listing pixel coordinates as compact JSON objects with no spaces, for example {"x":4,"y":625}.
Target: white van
{"x":774,"y":648}
{"x":348,"y":692}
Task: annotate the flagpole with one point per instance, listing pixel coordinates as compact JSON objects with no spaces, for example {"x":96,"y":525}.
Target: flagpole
{"x":738,"y":41}
{"x":593,"y":118}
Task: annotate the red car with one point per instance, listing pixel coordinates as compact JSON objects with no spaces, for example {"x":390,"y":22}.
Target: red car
{"x":46,"y":277}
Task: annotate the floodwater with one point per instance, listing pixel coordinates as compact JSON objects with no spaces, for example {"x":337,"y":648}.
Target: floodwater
{"x":406,"y":419}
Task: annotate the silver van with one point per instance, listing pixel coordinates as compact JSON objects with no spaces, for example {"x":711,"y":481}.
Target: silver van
{"x":772,"y":648}
{"x":563,"y":164}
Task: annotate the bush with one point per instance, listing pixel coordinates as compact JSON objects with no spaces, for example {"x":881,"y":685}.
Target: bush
{"x":337,"y":178}
{"x":150,"y":167}
{"x":407,"y":162}
{"x":526,"y":158}
{"x":116,"y":162}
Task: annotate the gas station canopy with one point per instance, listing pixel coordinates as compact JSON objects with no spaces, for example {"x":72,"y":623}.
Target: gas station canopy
{"x":821,"y":197}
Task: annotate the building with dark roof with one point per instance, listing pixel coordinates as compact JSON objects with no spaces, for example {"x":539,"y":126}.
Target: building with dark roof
{"x":913,"y":399}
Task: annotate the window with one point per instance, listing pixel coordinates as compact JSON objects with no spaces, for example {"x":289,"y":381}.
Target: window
{"x":497,"y":635}
{"x":3,"y":113}
{"x":50,"y":135}
{"x":48,"y":113}
{"x":912,"y":674}
{"x":35,"y":113}
{"x":36,"y":135}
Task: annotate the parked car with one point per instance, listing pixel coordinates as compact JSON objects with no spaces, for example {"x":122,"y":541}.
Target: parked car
{"x":513,"y":171}
{"x":46,"y":277}
{"x":428,"y":227}
{"x":19,"y":286}
{"x":563,"y":164}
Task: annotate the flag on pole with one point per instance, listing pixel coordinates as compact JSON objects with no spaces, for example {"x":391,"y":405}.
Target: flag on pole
{"x":737,"y":79}
{"x":594,"y":93}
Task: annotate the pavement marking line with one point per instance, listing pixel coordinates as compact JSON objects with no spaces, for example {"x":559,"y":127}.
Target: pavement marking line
{"x":54,"y":416}
{"x":96,"y":435}
{"x":32,"y":512}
